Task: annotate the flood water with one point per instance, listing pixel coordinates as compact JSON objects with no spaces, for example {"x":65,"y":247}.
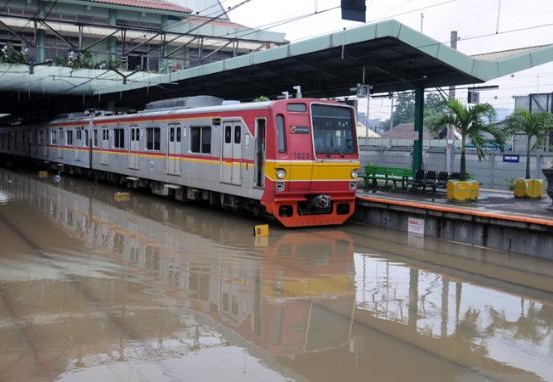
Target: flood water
{"x":146,"y":289}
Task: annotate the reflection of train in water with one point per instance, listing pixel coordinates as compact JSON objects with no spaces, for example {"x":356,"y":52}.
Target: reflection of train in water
{"x":274,"y":296}
{"x":295,"y":159}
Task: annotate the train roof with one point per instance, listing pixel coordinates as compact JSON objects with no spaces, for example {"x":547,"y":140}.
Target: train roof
{"x":184,"y":105}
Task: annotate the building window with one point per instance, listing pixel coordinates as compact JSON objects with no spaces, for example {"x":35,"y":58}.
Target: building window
{"x":200,"y":139}
{"x":119,"y":138}
{"x":153,"y":138}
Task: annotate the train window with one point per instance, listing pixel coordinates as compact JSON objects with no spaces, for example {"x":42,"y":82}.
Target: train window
{"x":53,"y":137}
{"x":61,"y":136}
{"x":119,"y":138}
{"x":200,"y":139}
{"x":178,"y":133}
{"x":333,"y":129}
{"x":237,"y":134}
{"x":228,"y":133}
{"x":153,"y":138}
{"x":70,"y":137}
{"x":86,"y":138}
{"x":95,"y":137}
{"x":79,"y":134}
{"x":281,"y":139}
{"x":296,"y":107}
{"x":171,"y":134}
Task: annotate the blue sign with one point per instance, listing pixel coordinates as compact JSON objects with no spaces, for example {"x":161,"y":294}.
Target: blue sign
{"x":511,"y":158}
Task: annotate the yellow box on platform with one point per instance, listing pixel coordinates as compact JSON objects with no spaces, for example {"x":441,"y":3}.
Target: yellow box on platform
{"x":528,"y":188}
{"x":43,"y":174}
{"x":462,"y":190}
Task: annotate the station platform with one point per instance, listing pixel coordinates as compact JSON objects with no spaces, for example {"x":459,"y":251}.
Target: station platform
{"x":496,"y":204}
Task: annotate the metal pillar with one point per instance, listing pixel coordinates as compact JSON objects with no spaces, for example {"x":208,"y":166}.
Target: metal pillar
{"x":164,"y":60}
{"x":112,"y":40}
{"x":419,"y":114}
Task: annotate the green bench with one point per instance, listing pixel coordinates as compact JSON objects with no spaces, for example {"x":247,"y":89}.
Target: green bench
{"x":373,"y":174}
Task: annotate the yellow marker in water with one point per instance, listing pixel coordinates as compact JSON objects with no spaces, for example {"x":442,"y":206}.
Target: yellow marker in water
{"x":122,"y":196}
{"x":261,"y":230}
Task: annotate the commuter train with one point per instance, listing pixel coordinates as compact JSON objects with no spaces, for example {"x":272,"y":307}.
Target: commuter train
{"x":295,"y":160}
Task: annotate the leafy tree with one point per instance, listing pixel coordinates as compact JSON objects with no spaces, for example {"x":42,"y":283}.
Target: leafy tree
{"x":404,"y":109}
{"x":472,"y":122}
{"x":535,"y":125}
{"x":434,"y":109}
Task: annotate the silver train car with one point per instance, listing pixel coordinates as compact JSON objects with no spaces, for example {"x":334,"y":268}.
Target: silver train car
{"x":295,"y":159}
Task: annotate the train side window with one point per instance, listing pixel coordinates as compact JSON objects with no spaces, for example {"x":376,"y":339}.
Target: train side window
{"x":53,"y":137}
{"x":228,"y":133}
{"x":281,"y":138}
{"x":69,"y":137}
{"x":200,"y":139}
{"x":153,"y":140}
{"x":119,"y":138}
{"x":95,"y":137}
{"x":86,"y":138}
{"x":237,"y":134}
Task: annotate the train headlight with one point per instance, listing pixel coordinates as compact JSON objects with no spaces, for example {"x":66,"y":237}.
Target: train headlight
{"x":280,"y":173}
{"x":355,"y":173}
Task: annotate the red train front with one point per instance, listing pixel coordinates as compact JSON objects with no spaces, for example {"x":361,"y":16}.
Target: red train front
{"x":311,"y":164}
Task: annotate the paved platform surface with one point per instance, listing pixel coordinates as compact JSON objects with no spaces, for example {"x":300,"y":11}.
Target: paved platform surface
{"x":498,"y":202}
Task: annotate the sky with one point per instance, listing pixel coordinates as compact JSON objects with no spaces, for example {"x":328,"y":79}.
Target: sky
{"x":482,"y":26}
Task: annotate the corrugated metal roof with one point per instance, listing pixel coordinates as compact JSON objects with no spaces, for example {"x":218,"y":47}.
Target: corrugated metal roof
{"x":161,"y":5}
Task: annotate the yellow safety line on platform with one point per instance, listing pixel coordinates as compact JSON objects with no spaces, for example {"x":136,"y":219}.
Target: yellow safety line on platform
{"x":490,"y":215}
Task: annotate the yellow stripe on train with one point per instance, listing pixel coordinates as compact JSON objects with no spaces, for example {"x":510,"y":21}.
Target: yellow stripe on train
{"x":314,"y":171}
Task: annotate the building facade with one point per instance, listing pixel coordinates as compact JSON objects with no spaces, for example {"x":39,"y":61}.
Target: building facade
{"x":126,"y":35}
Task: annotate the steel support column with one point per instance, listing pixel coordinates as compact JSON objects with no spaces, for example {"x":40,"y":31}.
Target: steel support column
{"x":419,"y":116}
{"x":112,"y":40}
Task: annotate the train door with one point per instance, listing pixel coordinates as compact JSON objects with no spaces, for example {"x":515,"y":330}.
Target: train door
{"x":60,"y":143}
{"x":134,"y":148}
{"x":105,"y":146}
{"x":259,"y":164}
{"x":174,"y":149}
{"x":78,"y":144}
{"x":44,"y":141}
{"x":231,"y":153}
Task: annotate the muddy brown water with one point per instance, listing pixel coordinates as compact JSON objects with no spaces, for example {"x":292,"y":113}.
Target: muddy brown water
{"x":147,"y":289}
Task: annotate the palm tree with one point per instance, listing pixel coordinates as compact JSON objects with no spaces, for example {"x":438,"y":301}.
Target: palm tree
{"x":472,"y":122}
{"x":535,"y":125}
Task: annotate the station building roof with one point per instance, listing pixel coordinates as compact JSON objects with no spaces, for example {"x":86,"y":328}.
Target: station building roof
{"x":388,"y":55}
{"x":148,"y":4}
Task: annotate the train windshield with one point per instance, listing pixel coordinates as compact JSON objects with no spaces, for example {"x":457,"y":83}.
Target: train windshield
{"x":333,"y":129}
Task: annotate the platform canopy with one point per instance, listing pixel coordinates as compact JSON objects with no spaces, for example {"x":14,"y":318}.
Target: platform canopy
{"x":388,"y":56}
